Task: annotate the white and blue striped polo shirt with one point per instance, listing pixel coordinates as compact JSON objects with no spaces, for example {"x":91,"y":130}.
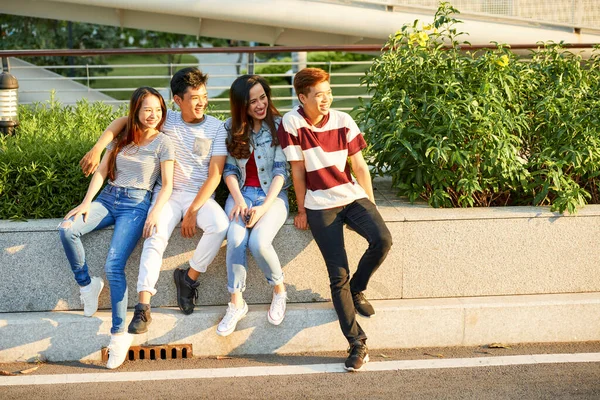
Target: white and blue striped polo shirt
{"x":195,"y":144}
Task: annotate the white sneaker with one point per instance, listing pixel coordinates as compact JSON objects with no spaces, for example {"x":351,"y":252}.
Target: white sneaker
{"x":231,"y":318}
{"x":118,"y":349}
{"x":277,"y":310}
{"x":89,"y":298}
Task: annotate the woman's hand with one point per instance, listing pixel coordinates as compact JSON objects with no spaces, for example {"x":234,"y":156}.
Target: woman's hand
{"x":151,"y":224}
{"x":239,"y":210}
{"x":82,"y":209}
{"x":254,"y":215}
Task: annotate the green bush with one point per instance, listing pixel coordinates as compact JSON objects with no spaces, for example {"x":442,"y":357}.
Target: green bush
{"x":39,"y":171}
{"x":39,"y":166}
{"x":462,"y":129}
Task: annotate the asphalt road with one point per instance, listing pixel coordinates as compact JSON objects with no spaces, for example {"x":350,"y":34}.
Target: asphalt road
{"x":562,"y":380}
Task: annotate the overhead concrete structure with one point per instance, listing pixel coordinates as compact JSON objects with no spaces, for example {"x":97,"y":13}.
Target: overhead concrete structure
{"x":286,"y":22}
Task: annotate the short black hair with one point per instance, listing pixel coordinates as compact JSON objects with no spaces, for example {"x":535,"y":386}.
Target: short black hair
{"x":185,"y":78}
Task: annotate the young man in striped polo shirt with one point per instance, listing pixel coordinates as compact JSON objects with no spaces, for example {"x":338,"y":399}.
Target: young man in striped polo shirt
{"x":200,"y":154}
{"x":317,"y":142}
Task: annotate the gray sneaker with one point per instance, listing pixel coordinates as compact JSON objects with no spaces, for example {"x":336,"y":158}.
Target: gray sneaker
{"x":141,"y":319}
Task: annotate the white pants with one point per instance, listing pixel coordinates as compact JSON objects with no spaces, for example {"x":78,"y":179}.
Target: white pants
{"x":211,"y":219}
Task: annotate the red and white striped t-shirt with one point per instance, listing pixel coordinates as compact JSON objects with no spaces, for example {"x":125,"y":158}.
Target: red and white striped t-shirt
{"x":325,"y":152}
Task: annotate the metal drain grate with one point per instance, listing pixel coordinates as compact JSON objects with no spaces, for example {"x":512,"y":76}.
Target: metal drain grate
{"x":156,"y":352}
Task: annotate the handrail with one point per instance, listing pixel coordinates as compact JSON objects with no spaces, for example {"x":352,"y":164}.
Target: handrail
{"x":33,"y":85}
{"x":254,"y":49}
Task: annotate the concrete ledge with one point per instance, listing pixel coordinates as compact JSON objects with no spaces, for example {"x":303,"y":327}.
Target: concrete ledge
{"x":60,"y":336}
{"x":437,"y":253}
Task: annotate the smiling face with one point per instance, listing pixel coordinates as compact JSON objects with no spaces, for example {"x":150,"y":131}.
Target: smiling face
{"x":258,"y":104}
{"x":317,"y":102}
{"x":193,"y":104}
{"x":150,"y":113}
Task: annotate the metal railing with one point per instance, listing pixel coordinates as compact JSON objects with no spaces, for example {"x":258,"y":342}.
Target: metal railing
{"x":218,"y":85}
{"x":345,"y":76}
{"x":42,"y":80}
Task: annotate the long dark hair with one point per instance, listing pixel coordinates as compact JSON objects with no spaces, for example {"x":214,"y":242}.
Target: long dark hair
{"x":238,"y":136}
{"x":133,"y":130}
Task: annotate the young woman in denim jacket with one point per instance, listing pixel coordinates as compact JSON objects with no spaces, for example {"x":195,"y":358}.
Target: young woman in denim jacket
{"x":138,"y":157}
{"x":256,"y":173}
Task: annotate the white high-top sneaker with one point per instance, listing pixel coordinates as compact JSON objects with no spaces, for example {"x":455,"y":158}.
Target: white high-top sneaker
{"x":118,"y":349}
{"x":231,"y":318}
{"x":276,"y":312}
{"x":89,"y":296}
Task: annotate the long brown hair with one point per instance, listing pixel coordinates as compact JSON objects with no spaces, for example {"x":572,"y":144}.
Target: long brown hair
{"x":133,"y":130}
{"x":238,"y":135}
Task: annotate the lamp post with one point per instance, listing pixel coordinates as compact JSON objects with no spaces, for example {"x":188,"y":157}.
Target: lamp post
{"x":8,"y":103}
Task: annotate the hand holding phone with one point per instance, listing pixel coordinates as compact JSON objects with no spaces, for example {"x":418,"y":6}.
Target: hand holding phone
{"x":249,"y":218}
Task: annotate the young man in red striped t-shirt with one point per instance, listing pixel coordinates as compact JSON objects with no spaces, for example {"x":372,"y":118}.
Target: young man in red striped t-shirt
{"x":317,"y":142}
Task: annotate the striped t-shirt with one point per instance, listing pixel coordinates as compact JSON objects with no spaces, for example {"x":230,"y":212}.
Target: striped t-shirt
{"x":139,"y":166}
{"x":195,"y":144}
{"x":325,"y":152}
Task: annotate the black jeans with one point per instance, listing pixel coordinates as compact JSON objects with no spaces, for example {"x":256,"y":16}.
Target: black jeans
{"x":327,"y":229}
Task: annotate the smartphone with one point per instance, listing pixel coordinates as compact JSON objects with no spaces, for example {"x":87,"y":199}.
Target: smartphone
{"x":249,"y":218}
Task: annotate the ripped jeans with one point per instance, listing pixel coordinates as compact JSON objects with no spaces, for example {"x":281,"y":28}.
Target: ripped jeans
{"x":126,"y":209}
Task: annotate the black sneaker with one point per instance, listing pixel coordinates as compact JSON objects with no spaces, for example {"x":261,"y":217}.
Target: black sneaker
{"x":186,"y":294}
{"x":358,"y":356}
{"x":141,"y":319}
{"x":362,"y":305}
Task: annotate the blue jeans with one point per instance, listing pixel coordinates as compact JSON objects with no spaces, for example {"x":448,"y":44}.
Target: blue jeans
{"x":126,"y":209}
{"x":259,"y":239}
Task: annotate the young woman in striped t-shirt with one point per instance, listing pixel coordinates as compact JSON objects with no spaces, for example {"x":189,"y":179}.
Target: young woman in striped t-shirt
{"x":138,"y":157}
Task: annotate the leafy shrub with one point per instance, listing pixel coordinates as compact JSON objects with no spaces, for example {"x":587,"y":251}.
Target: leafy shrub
{"x":39,"y":171}
{"x":462,"y":129}
{"x":265,"y":69}
{"x":39,"y":166}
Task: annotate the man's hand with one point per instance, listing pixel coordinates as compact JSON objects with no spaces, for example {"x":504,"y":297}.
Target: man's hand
{"x":300,"y":221}
{"x":151,"y":224}
{"x":188,"y":225}
{"x":89,"y":163}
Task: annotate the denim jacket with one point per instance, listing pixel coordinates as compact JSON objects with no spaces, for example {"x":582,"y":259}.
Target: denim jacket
{"x":270,"y":160}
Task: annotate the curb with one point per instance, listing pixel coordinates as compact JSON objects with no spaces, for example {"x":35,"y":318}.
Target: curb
{"x":313,"y":327}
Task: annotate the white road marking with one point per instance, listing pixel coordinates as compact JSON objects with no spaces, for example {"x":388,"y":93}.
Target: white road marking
{"x":298,"y":369}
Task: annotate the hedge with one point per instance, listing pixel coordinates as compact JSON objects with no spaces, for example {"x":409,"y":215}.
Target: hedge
{"x":493,"y":128}
{"x":40,"y":175}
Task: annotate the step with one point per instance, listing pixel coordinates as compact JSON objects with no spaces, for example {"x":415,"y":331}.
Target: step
{"x":312,"y":327}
